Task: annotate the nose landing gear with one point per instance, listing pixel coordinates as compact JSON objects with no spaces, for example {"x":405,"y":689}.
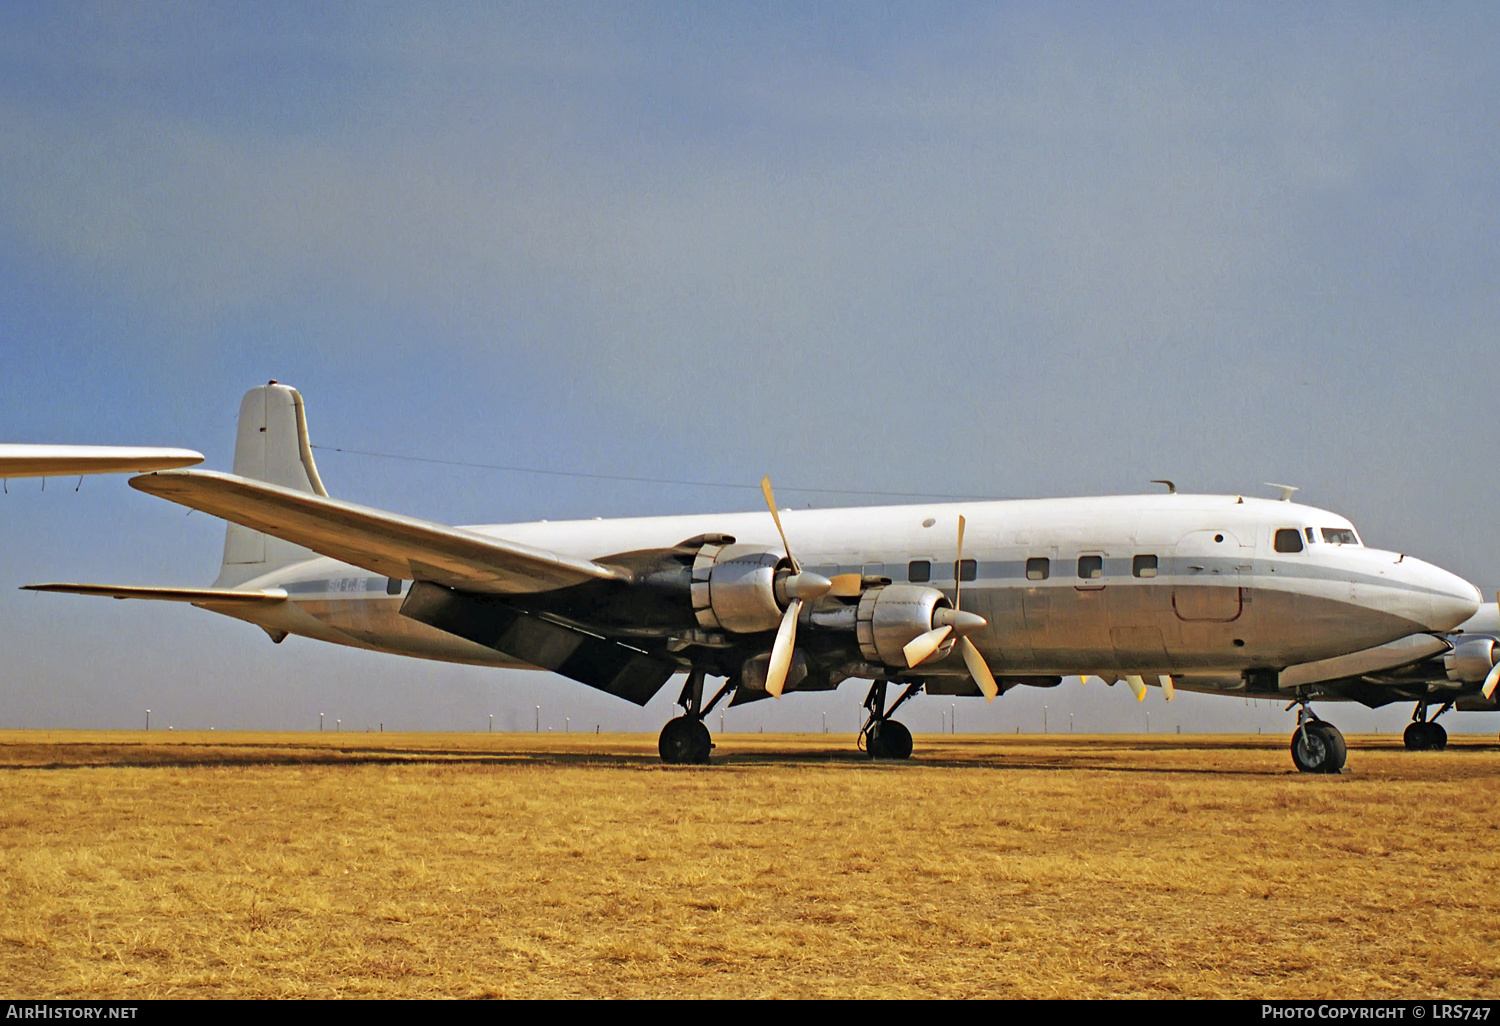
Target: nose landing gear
{"x":1423,"y":732}
{"x":1317,"y":746}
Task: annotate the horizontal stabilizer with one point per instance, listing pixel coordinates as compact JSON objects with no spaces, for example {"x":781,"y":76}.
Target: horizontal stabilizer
{"x":216,"y":596}
{"x":70,"y":460}
{"x":1379,"y":659}
{"x":384,"y":543}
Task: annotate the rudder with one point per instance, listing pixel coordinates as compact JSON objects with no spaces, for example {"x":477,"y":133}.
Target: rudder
{"x":272,"y":446}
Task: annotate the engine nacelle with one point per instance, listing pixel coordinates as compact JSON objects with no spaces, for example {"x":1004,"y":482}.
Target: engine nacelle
{"x":734,"y":588}
{"x":1471,"y":660}
{"x":891,"y":616}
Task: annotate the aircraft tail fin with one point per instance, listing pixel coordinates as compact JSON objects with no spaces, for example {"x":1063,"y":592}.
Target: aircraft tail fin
{"x":272,"y":445}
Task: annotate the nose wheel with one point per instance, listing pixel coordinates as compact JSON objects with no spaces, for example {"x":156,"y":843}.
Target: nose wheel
{"x":1317,"y":746}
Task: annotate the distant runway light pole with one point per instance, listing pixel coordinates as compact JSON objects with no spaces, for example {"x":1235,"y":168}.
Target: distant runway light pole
{"x":1070,"y":723}
{"x":492,"y":723}
{"x":338,"y":725}
{"x":1044,"y":719}
{"x":538,"y":719}
{"x":320,"y":723}
{"x":952,"y":712}
{"x":148,"y":719}
{"x":1148,"y":723}
{"x":567,"y":724}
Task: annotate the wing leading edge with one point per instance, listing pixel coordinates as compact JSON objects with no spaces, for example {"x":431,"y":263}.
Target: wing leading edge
{"x":384,"y":543}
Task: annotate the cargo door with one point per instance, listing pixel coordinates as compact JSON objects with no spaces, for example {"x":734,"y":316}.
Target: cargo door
{"x":1207,"y":588}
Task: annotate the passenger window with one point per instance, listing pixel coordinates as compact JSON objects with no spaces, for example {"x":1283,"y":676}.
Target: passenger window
{"x":1288,"y":539}
{"x":968,"y":570}
{"x":1038,"y":568}
{"x":1143,"y":566}
{"x":393,"y":586}
{"x":919,"y":571}
{"x":1090,"y":567}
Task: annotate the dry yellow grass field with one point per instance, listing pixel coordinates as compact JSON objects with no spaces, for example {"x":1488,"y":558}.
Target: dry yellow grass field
{"x":238,"y":865}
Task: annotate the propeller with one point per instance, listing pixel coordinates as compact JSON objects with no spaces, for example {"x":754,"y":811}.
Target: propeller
{"x":799,"y":587}
{"x":1165,"y":680}
{"x":1137,"y":685}
{"x":955,"y":621}
{"x":1493,"y":677}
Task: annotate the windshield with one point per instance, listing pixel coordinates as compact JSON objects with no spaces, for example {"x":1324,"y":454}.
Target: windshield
{"x":1339,"y":536}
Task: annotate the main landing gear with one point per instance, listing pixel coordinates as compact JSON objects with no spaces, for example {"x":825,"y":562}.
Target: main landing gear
{"x":685,"y":740}
{"x":1424,"y":732}
{"x":882,"y":737}
{"x":1317,"y":746}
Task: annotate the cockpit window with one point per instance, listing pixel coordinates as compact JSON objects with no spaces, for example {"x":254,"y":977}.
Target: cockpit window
{"x":1339,"y":536}
{"x":1310,"y":536}
{"x":1288,"y":539}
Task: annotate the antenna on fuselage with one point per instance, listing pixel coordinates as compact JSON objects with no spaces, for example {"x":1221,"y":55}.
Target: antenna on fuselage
{"x":1171,"y":486}
{"x":1286,"y":490}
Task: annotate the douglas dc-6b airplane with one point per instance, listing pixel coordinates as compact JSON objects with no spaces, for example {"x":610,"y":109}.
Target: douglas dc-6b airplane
{"x":1218,"y":594}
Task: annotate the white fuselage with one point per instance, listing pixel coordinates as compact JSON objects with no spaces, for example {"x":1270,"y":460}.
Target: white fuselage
{"x":1187,"y":585}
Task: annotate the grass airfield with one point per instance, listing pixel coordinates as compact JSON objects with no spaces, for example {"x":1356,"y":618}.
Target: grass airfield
{"x":180,"y":864}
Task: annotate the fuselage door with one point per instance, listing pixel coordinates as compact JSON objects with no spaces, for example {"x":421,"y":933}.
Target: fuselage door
{"x":1207,"y":587}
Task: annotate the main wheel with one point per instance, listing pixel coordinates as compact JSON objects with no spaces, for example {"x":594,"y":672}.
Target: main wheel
{"x":1418,"y":736}
{"x":684,"y":740}
{"x":1318,"y":747}
{"x":888,"y":739}
{"x":1439,"y":735}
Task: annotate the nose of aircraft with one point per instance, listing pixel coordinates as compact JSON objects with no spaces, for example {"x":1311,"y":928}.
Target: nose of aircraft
{"x":1454,"y":599}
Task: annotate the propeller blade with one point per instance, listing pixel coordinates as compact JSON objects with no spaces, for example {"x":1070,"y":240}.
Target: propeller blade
{"x":765,"y":487}
{"x":923,"y":645}
{"x":1165,"y":680}
{"x":1137,"y":685}
{"x":979,"y":669}
{"x":1491,"y":679}
{"x":781,"y":651}
{"x":958,"y":564}
{"x":847,"y":586}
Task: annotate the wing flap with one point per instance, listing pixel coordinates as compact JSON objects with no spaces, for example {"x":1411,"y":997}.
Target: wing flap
{"x":385,"y":543}
{"x":198,"y":596}
{"x":598,"y":662}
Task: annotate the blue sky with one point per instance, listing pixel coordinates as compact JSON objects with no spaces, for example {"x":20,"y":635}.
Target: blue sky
{"x":1009,"y":250}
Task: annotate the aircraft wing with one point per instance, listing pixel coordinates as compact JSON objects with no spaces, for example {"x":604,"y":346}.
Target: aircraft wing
{"x":66,"y":460}
{"x":1380,"y":659}
{"x":384,"y":543}
{"x":198,"y":596}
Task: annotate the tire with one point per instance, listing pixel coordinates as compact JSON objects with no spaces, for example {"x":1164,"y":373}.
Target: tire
{"x":678,"y":743}
{"x":703,"y":743}
{"x":1438,"y":735}
{"x":1417,"y":737}
{"x":1318,"y":747}
{"x":889,"y":740}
